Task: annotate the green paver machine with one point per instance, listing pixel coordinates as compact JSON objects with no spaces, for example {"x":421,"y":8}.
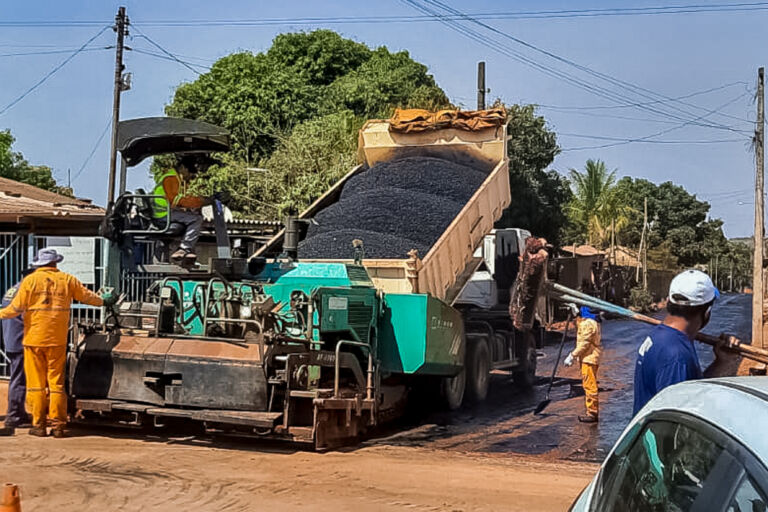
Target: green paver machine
{"x":306,"y":351}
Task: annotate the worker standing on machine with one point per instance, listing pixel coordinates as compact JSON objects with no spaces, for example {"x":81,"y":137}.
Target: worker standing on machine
{"x":44,"y":298}
{"x":589,"y":349}
{"x":184,"y":207}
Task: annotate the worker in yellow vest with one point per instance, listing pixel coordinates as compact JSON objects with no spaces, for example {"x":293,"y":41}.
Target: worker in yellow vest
{"x":184,"y":207}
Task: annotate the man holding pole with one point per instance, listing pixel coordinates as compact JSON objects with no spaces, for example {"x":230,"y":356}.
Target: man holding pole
{"x":667,"y":356}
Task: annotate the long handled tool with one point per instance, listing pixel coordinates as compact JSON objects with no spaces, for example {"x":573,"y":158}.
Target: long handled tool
{"x":544,"y":403}
{"x":565,"y":294}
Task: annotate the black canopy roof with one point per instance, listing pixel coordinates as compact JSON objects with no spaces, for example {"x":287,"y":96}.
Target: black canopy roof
{"x":140,"y":138}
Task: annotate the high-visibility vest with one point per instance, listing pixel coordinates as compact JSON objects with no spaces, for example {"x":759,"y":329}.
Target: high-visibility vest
{"x":161,"y":203}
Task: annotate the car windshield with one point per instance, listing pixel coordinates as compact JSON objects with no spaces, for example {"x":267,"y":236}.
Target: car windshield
{"x":664,"y":470}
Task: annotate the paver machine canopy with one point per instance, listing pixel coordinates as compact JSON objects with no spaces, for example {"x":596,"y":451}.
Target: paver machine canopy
{"x":130,"y":216}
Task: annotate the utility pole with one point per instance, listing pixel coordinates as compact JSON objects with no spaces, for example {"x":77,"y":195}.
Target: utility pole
{"x":121,"y":28}
{"x":757,"y":264}
{"x":645,"y":247}
{"x":69,"y":178}
{"x":481,"y":85}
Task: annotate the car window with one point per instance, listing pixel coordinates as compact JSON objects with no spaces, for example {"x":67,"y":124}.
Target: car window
{"x":664,"y":470}
{"x":747,"y":498}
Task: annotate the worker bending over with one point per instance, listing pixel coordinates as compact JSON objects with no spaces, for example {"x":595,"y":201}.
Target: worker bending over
{"x":667,"y":355}
{"x":184,"y":207}
{"x":13,"y":333}
{"x":588,"y":350}
{"x":44,"y":298}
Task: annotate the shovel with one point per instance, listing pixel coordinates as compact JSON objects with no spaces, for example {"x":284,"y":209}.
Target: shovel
{"x":544,"y":403}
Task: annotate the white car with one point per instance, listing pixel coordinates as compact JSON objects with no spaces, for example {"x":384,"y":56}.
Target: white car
{"x":696,"y":446}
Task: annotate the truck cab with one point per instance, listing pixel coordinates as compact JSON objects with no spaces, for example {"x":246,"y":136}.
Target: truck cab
{"x":488,"y":287}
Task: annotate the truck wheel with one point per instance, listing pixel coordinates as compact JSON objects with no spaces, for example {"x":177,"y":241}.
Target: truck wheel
{"x":452,"y":389}
{"x":525,"y":375}
{"x":478,"y":370}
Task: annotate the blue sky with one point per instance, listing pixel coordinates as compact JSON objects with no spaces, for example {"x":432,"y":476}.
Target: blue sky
{"x":675,"y":55}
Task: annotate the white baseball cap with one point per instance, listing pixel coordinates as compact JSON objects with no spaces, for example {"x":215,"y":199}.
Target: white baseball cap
{"x":692,"y":288}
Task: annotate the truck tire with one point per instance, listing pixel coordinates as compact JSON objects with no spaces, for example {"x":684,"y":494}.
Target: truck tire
{"x":452,"y":389}
{"x":478,"y":370}
{"x":525,"y":375}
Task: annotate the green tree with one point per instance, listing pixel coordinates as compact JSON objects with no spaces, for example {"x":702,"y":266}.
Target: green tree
{"x":538,"y":195}
{"x":384,"y":82}
{"x":595,"y":211}
{"x":14,"y":166}
{"x":280,"y":104}
{"x":675,"y":216}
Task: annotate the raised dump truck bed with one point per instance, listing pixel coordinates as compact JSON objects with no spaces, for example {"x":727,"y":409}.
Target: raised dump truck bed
{"x":449,"y":262}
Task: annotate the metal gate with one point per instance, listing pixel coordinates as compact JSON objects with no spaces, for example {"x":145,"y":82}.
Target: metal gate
{"x":14,"y":256}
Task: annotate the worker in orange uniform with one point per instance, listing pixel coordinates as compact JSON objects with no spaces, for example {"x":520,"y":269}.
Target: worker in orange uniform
{"x":44,"y":299}
{"x":171,"y":192}
{"x":588,"y":350}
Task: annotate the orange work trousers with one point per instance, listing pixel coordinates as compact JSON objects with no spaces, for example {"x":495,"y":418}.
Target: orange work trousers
{"x":44,"y":368}
{"x":589,"y":382}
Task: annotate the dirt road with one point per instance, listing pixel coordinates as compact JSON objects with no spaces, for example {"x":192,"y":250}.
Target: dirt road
{"x":494,"y":457}
{"x":96,"y":472}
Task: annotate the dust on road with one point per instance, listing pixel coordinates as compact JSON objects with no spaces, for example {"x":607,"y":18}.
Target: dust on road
{"x":98,"y":472}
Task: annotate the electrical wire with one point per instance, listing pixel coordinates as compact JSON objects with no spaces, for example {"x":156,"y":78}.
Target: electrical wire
{"x":52,"y":72}
{"x":164,"y":57}
{"x":52,"y":52}
{"x":95,"y":147}
{"x":502,"y":15}
{"x":169,"y":54}
{"x":635,"y":89}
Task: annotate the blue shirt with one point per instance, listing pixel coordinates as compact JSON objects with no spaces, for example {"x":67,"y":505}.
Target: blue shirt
{"x":13,"y":328}
{"x":666,"y":357}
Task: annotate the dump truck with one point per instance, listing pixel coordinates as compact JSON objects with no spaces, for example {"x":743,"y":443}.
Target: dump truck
{"x":316,"y":351}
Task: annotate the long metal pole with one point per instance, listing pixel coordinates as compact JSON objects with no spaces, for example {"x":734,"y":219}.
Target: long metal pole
{"x":481,"y":85}
{"x":757,"y":264}
{"x":120,"y":25}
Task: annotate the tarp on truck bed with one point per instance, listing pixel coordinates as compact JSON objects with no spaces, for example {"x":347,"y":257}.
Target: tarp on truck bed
{"x":417,"y":120}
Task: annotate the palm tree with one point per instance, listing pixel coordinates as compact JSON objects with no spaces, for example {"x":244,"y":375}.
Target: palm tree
{"x":595,"y":208}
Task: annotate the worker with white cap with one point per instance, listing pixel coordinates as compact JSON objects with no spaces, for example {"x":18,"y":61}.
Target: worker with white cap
{"x":667,"y":355}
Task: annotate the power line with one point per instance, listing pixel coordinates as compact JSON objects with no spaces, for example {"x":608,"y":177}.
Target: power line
{"x":95,"y":147}
{"x":503,"y":15}
{"x":635,"y":89}
{"x":571,"y":79}
{"x":670,"y":142}
{"x":163,"y":57}
{"x":169,"y":54}
{"x":52,"y":52}
{"x":52,"y":72}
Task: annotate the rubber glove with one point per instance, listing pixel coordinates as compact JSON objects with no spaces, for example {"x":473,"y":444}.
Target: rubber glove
{"x":109,"y":296}
{"x":568,"y":360}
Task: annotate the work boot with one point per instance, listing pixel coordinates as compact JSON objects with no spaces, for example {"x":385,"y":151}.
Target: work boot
{"x":190,"y":258}
{"x":38,"y":432}
{"x":7,"y":431}
{"x":589,"y":418}
{"x":59,"y":433}
{"x":178,"y":255}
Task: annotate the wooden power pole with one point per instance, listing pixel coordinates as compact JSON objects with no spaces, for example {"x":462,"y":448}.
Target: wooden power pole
{"x":757,"y":264}
{"x":121,"y":28}
{"x":645,"y":246}
{"x":481,"y":85}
